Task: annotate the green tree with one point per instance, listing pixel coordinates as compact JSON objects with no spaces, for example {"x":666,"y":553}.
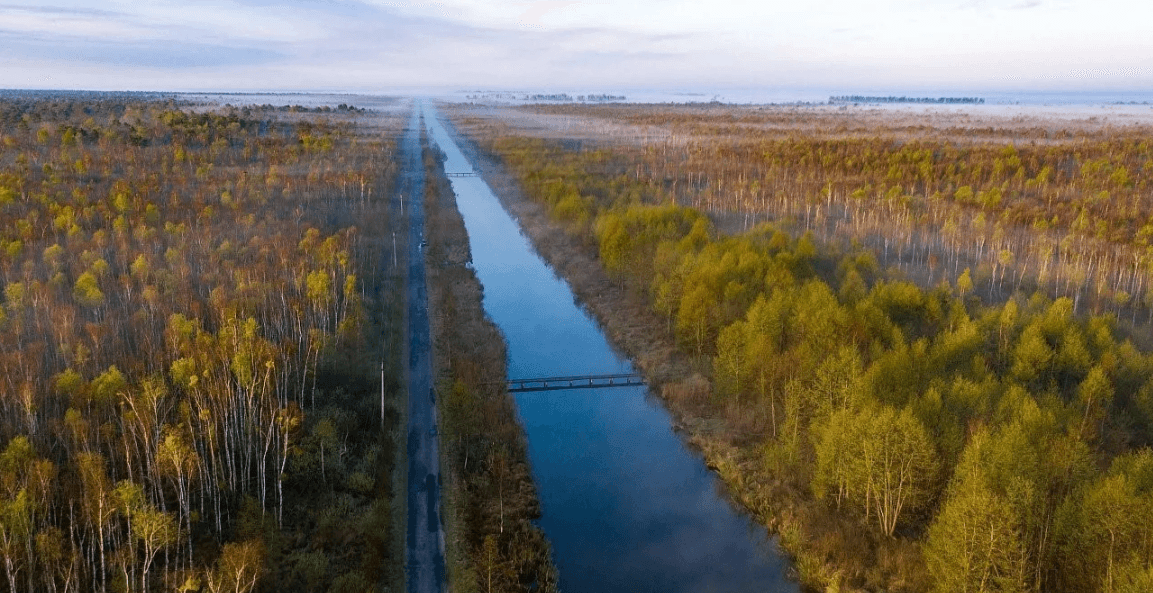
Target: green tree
{"x":880,"y":459}
{"x":1031,"y":357}
{"x":238,"y":569}
{"x":837,"y":384}
{"x":152,"y":528}
{"x":729,"y":365}
{"x":15,"y":531}
{"x":974,"y":544}
{"x":695,"y":317}
{"x":838,"y":473}
{"x":1105,"y":530}
{"x":902,"y":466}
{"x":1135,"y":578}
{"x":964,"y":283}
{"x":87,"y":290}
{"x":1095,"y":394}
{"x":98,"y":505}
{"x":495,"y":572}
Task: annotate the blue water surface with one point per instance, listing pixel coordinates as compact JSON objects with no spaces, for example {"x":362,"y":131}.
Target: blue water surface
{"x":626,"y":505}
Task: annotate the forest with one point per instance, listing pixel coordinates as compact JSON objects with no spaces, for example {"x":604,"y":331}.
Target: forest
{"x":1026,"y":205}
{"x":924,"y":344}
{"x":198,"y":344}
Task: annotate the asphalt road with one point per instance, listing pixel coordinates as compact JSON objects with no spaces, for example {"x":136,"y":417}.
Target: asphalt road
{"x":424,"y":541}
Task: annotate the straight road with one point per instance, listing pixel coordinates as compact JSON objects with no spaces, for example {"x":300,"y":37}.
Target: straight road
{"x":424,"y":541}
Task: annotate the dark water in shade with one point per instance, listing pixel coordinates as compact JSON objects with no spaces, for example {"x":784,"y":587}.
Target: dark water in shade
{"x":626,"y":505}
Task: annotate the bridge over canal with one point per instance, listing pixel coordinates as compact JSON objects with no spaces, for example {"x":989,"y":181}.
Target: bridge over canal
{"x":575,"y":382}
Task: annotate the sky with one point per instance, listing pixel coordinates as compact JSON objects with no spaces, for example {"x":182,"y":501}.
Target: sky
{"x":379,"y":45}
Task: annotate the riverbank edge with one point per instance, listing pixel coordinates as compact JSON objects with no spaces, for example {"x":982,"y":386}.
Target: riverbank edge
{"x":448,"y":260}
{"x":679,"y":380}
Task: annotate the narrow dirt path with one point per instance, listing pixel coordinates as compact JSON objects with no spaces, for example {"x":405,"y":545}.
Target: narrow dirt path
{"x":424,"y":549}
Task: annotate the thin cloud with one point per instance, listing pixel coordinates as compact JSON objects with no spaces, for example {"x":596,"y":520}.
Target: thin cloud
{"x":131,"y":54}
{"x":538,"y":10}
{"x":379,"y":43}
{"x":59,"y":10}
{"x":66,"y":22}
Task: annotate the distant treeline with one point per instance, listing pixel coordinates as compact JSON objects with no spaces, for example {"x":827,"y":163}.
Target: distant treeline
{"x":569,"y":98}
{"x":302,"y":109}
{"x":556,"y":97}
{"x":601,"y":98}
{"x":868,"y":99}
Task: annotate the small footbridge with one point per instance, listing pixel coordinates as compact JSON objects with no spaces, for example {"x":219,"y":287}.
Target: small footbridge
{"x":463,"y":174}
{"x":575,"y":382}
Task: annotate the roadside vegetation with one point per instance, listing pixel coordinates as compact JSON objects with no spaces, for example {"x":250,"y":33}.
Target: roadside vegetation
{"x":195,"y":310}
{"x":488,"y":494}
{"x":910,"y":388}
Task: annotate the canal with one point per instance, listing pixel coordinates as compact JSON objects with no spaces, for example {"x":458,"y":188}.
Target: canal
{"x":626,"y":504}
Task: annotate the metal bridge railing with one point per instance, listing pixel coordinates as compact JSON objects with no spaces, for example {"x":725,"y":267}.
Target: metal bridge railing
{"x":575,"y":382}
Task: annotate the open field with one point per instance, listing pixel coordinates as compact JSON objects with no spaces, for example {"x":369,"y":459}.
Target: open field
{"x":633,"y":123}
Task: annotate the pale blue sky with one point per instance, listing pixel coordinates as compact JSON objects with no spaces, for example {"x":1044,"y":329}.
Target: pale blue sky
{"x":377,"y":45}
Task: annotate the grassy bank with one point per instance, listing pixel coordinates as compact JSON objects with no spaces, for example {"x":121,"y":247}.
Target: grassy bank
{"x":489,"y":498}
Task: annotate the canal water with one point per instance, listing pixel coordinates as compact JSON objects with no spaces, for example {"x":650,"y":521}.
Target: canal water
{"x":626,"y":505}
